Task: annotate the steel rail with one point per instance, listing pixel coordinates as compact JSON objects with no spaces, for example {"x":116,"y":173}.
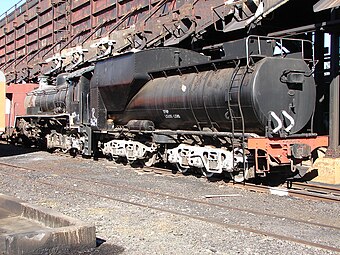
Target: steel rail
{"x":317,"y":188}
{"x":288,"y":192}
{"x":307,"y":193}
{"x":194,"y":217}
{"x":203,"y":219}
{"x":161,"y":170}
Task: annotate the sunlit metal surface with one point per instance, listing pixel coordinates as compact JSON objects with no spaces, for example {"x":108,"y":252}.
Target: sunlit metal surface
{"x":325,"y":4}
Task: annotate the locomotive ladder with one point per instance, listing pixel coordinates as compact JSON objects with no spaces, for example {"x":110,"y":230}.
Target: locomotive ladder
{"x":236,"y":114}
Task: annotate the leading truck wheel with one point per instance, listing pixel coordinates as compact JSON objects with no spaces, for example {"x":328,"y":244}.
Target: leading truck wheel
{"x":148,"y":162}
{"x":73,"y":152}
{"x":182,"y":169}
{"x":238,"y":177}
{"x":206,"y":173}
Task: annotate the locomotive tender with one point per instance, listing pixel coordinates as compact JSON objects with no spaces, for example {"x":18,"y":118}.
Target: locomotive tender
{"x":243,"y":110}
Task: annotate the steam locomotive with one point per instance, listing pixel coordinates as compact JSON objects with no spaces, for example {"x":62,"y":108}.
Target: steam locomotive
{"x":243,"y":108}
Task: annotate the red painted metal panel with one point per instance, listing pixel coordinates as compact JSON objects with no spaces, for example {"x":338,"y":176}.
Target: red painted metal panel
{"x":84,"y":25}
{"x":46,"y":30}
{"x":60,"y":10}
{"x":46,"y":41}
{"x":10,"y":27}
{"x":17,"y":105}
{"x":32,"y":12}
{"x":2,"y":22}
{"x":10,"y":37}
{"x":10,"y":17}
{"x":20,"y":20}
{"x":31,"y":3}
{"x":106,"y":15}
{"x":32,"y":47}
{"x":128,"y":6}
{"x":40,"y":26}
{"x":20,"y":52}
{"x":46,"y":17}
{"x":20,"y":42}
{"x":10,"y":56}
{"x":2,"y":59}
{"x":76,"y":3}
{"x":32,"y":36}
{"x":140,"y":3}
{"x":20,"y":10}
{"x":59,"y":36}
{"x":80,"y":14}
{"x":44,"y":5}
{"x":10,"y":47}
{"x":60,"y":23}
{"x":20,"y":31}
{"x":32,"y":24}
{"x":124,"y":9}
{"x":100,"y":5}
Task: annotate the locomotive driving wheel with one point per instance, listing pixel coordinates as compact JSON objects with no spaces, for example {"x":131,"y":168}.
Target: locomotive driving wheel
{"x":182,"y":169}
{"x":238,"y":176}
{"x":204,"y":170}
{"x":114,"y":159}
{"x":206,"y":173}
{"x":150,"y":161}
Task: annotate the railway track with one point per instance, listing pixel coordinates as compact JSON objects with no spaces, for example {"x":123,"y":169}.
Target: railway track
{"x":63,"y":186}
{"x":295,"y":189}
{"x":305,"y":193}
{"x":316,"y":192}
{"x":315,"y":188}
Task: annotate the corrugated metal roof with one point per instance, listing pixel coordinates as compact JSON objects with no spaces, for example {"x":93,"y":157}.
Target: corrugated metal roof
{"x":325,"y":4}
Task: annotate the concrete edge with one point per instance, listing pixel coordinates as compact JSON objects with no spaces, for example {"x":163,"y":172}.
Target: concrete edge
{"x":328,"y":170}
{"x":62,"y":232}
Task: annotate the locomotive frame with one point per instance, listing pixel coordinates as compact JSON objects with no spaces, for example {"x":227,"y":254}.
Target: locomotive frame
{"x":105,"y":108}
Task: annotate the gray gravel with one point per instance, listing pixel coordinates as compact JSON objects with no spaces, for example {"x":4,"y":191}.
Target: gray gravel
{"x":131,"y":229}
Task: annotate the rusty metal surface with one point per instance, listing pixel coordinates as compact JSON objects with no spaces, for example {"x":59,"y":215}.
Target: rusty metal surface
{"x":34,"y":31}
{"x":280,"y":149}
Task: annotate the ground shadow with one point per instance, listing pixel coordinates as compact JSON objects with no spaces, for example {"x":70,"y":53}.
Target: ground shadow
{"x":7,"y":150}
{"x":310,"y":175}
{"x":102,"y":248}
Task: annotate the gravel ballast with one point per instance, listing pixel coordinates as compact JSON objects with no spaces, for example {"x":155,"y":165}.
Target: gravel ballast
{"x":109,"y":195}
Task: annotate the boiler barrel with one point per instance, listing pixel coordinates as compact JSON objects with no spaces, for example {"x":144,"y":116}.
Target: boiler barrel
{"x":47,"y":100}
{"x":273,"y":85}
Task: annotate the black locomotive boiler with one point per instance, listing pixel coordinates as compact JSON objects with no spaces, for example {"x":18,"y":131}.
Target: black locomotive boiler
{"x":244,"y":111}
